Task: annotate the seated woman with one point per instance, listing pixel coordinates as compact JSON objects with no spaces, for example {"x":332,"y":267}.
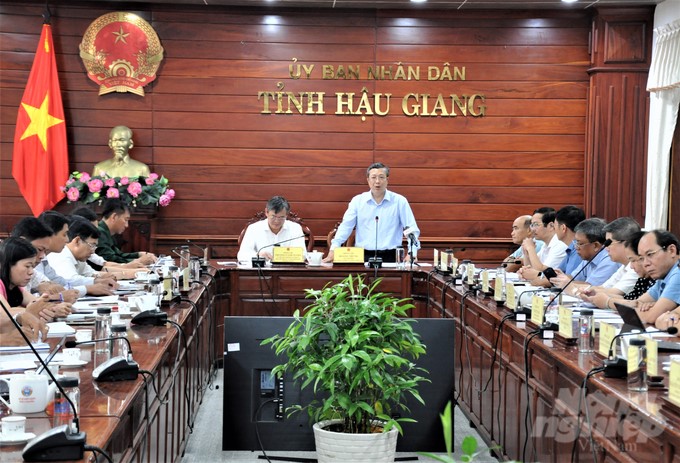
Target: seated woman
{"x":605,"y":298}
{"x":17,"y":261}
{"x":34,"y":328}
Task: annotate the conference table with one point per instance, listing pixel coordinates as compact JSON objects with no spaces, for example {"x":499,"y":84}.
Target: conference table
{"x":132,"y":420}
{"x":623,"y":426}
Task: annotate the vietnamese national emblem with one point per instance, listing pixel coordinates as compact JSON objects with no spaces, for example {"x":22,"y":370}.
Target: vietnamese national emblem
{"x":121,"y":53}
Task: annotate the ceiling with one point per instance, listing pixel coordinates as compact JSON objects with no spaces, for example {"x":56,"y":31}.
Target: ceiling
{"x":407,"y":4}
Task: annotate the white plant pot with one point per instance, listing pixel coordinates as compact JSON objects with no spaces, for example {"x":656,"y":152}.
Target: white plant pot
{"x":340,"y":447}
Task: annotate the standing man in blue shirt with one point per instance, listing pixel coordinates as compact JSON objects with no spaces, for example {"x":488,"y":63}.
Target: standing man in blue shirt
{"x":380,"y":218}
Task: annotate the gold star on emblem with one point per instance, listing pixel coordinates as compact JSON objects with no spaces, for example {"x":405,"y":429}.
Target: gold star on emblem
{"x":121,"y":35}
{"x":41,"y":120}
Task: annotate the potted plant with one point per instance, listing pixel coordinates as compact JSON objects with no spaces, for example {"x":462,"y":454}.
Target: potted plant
{"x":356,"y":348}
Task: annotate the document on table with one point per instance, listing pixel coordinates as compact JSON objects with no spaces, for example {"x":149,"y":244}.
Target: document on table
{"x":90,"y":304}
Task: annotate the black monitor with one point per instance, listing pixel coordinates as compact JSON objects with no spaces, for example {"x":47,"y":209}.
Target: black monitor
{"x":251,"y":395}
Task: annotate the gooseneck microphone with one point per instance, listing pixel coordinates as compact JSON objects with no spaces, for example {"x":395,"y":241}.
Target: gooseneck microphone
{"x":410,"y":234}
{"x":617,"y":367}
{"x":258,"y":261}
{"x":114,"y":369}
{"x":375,"y":261}
{"x":203,"y":250}
{"x":551,"y":326}
{"x":64,"y":442}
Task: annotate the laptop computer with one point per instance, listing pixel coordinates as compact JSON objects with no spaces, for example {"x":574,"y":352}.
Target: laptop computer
{"x":632,"y":321}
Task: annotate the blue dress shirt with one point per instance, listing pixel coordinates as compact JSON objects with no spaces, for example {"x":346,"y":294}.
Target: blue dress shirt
{"x":572,"y":261}
{"x":598,"y":270}
{"x":668,"y":287}
{"x":394,"y":215}
{"x":519,"y":253}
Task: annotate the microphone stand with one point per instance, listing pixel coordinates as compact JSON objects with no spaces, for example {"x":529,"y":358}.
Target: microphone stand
{"x":617,"y":367}
{"x":259,"y":261}
{"x":551,"y":326}
{"x":375,"y":261}
{"x":60,"y":443}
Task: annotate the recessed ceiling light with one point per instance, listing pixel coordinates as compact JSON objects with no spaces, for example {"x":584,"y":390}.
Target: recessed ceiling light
{"x":418,"y":1}
{"x":569,"y":1}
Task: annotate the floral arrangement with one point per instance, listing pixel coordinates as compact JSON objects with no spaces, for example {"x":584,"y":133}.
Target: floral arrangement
{"x":134,"y":191}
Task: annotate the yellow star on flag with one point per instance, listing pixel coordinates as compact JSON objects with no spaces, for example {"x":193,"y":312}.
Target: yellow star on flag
{"x":121,"y":35}
{"x":41,"y":120}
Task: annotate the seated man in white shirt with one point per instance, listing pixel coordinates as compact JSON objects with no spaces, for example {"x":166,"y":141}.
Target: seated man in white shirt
{"x":521,"y":229}
{"x":71,"y":262}
{"x":260,"y":237}
{"x":554,"y":250}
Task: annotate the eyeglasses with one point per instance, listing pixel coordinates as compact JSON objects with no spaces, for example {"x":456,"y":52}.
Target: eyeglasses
{"x":277,"y":217}
{"x":649,"y":254}
{"x":92,"y":246}
{"x":632,"y":260}
{"x":373,"y":178}
{"x":536,"y":224}
{"x":616,"y":241}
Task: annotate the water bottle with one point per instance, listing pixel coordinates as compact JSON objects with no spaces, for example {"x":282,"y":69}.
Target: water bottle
{"x":120,"y":346}
{"x":62,"y":411}
{"x":637,"y":365}
{"x":102,"y":329}
{"x":586,"y":339}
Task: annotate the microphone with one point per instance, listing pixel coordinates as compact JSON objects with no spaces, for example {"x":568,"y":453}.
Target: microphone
{"x":64,"y":442}
{"x":114,"y":369}
{"x":260,"y":261}
{"x":409,"y":233}
{"x":617,"y":367}
{"x":375,"y":261}
{"x":551,"y":326}
{"x":203,"y":250}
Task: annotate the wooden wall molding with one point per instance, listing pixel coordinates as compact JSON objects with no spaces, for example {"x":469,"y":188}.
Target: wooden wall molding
{"x":200,"y":123}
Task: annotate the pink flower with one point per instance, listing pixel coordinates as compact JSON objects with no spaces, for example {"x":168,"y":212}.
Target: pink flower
{"x":84,"y":177}
{"x":164,"y":200}
{"x":73,"y":194}
{"x":71,"y":180}
{"x":149,"y":181}
{"x":112,"y":193}
{"x":134,"y":189}
{"x":153,"y":176}
{"x":95,"y":185}
{"x":110,"y":182}
{"x":124,"y":180}
{"x":170,"y":193}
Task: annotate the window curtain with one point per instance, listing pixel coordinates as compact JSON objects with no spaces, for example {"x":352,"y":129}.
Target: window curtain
{"x":664,"y":87}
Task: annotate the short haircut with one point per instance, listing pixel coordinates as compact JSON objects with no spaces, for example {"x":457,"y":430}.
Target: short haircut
{"x":378,"y":165}
{"x":278,"y":204}
{"x":622,"y":228}
{"x":82,"y":228}
{"x":570,"y":216}
{"x":634,"y":240}
{"x":547,"y":215}
{"x":114,"y":206}
{"x":85,"y":212}
{"x":593,"y":229}
{"x":665,"y":238}
{"x":12,"y":250}
{"x":55,"y":220}
{"x":31,"y":229}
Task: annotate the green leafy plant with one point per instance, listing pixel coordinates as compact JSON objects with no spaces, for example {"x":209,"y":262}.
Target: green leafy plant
{"x":468,"y":447}
{"x":355,"y":346}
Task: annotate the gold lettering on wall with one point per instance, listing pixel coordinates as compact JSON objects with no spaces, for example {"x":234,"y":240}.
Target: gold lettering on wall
{"x":365,"y":103}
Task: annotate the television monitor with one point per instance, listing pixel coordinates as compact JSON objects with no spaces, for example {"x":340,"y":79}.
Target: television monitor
{"x":251,"y":394}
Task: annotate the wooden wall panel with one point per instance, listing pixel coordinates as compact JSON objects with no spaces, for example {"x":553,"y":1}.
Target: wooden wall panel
{"x":200,"y":123}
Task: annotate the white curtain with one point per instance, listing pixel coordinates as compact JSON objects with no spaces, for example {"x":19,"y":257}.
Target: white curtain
{"x":664,"y":85}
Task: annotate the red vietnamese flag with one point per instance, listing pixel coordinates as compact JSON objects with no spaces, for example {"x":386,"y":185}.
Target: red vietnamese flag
{"x":40,"y":156}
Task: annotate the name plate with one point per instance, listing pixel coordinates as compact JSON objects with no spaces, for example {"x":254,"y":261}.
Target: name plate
{"x":510,"y":298}
{"x":286,"y":255}
{"x":498,"y":289}
{"x":607,"y":333}
{"x":652,"y":346}
{"x":485,"y":281}
{"x":348,"y":255}
{"x":566,"y":322}
{"x":537,"y":309}
{"x":674,"y":380}
{"x":471,"y":274}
